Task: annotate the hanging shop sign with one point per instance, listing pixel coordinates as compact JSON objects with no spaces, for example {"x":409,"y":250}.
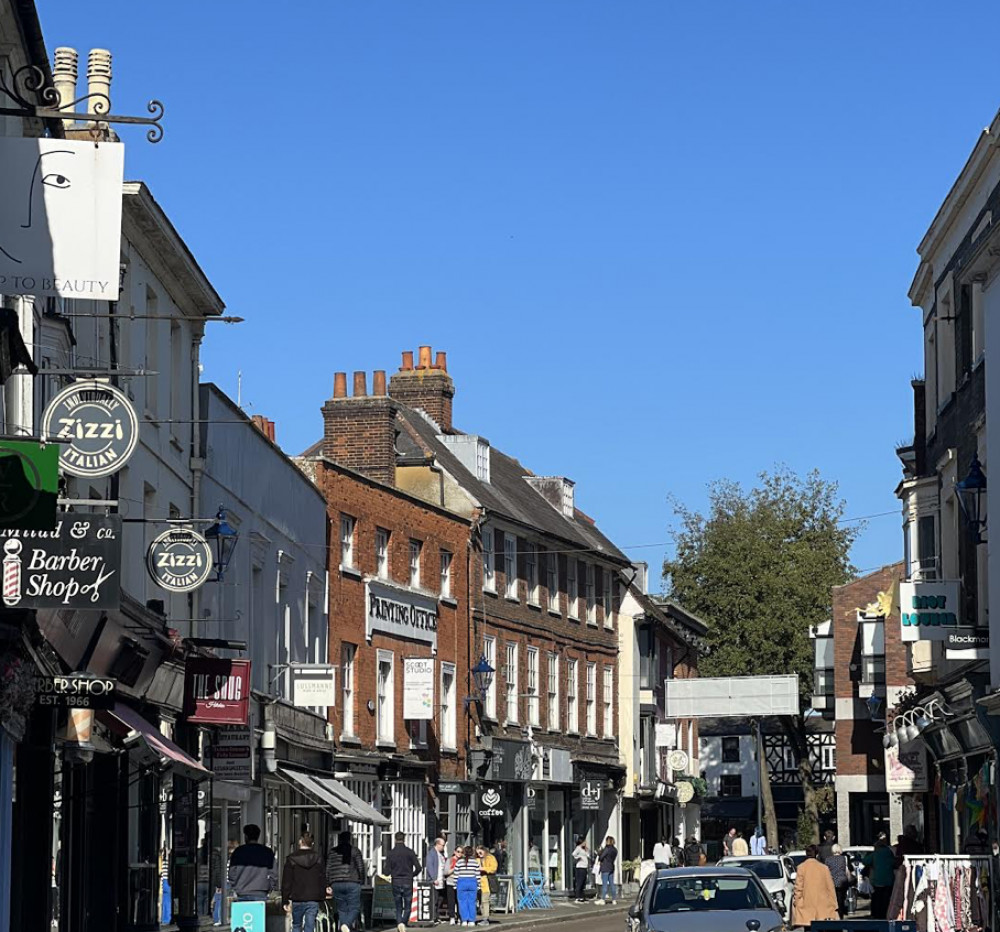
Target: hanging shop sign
{"x":928,"y":610}
{"x":75,"y":565}
{"x":685,"y":792}
{"x":76,"y":691}
{"x":29,"y":484}
{"x":61,"y":201}
{"x":232,"y":753}
{"x":96,"y":426}
{"x":490,"y":802}
{"x":591,"y":793}
{"x":179,"y":560}
{"x":313,"y":684}
{"x":400,"y":612}
{"x":217,"y":691}
{"x":511,"y":761}
{"x":967,"y":644}
{"x":906,"y":768}
{"x":418,"y":689}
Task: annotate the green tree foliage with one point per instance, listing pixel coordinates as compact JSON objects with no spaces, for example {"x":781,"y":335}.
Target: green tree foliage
{"x":759,"y":567}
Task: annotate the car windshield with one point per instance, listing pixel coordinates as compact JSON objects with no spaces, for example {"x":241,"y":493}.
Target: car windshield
{"x":797,"y":859}
{"x":706,"y":894}
{"x":767,"y":870}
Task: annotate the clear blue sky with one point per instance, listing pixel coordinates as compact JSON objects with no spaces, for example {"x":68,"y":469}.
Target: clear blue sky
{"x":661,"y":242}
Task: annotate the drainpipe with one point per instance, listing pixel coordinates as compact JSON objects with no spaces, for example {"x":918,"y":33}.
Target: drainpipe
{"x":197,"y":462}
{"x":279,"y":622}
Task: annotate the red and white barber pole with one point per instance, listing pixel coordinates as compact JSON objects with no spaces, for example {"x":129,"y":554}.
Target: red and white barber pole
{"x":415,"y":904}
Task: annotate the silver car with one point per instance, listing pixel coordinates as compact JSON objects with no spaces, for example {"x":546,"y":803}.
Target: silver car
{"x":703,"y":899}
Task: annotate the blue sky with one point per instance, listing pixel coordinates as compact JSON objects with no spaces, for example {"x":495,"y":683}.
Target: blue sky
{"x":662,"y":243}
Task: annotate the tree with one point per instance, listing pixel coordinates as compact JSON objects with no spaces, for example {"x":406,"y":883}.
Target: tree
{"x":758,"y":568}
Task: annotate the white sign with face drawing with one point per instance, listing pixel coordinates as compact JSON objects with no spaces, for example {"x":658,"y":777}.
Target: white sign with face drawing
{"x":60,"y":217}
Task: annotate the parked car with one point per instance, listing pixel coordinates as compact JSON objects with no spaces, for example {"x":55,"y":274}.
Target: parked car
{"x":775,"y":871}
{"x":703,"y":899}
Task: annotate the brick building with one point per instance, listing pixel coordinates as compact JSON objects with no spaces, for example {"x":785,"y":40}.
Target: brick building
{"x":534,"y":590}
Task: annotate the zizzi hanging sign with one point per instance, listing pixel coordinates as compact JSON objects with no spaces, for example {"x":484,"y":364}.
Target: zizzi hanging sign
{"x":179,"y":560}
{"x":96,"y":426}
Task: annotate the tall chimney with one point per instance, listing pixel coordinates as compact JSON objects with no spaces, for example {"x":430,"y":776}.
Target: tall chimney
{"x":99,"y":82}
{"x":64,"y":73}
{"x":427,"y":388}
{"x":359,"y":431}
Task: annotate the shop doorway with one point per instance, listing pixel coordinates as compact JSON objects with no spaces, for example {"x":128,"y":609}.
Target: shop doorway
{"x":869,"y":816}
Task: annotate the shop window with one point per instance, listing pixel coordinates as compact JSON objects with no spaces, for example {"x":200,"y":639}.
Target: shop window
{"x":730,"y":784}
{"x":731,"y":750}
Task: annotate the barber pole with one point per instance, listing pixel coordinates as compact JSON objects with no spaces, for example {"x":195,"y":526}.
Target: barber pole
{"x":415,"y":904}
{"x":12,"y":572}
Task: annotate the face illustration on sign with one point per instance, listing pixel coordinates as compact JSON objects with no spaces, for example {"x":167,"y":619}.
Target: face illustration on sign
{"x":179,"y":560}
{"x":60,"y":219}
{"x":97,"y":426}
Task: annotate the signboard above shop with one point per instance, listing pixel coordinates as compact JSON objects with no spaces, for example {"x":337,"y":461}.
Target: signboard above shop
{"x":63,"y":201}
{"x":76,"y":691}
{"x":400,"y":612}
{"x":217,"y":691}
{"x":179,"y":560}
{"x":314,"y":685}
{"x":929,"y":610}
{"x":29,"y":484}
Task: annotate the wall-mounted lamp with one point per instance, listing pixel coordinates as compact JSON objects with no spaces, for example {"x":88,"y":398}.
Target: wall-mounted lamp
{"x":222,"y":537}
{"x":972,"y":499}
{"x":911,"y":724}
{"x":482,"y":679}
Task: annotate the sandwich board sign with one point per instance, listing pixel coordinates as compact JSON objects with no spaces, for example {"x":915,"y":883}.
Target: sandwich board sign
{"x":247,"y":916}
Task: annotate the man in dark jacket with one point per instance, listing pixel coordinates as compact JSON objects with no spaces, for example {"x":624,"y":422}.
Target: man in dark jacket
{"x":252,"y":872}
{"x":402,"y":865}
{"x":693,"y":852}
{"x":303,"y":885}
{"x":826,"y":849}
{"x":345,"y":870}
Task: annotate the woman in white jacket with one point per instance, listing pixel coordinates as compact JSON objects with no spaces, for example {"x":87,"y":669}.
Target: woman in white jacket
{"x":581,"y":866}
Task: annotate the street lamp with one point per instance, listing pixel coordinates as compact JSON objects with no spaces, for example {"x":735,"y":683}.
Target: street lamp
{"x":972,"y":499}
{"x":482,"y":678}
{"x":223,"y":537}
{"x":874,"y":703}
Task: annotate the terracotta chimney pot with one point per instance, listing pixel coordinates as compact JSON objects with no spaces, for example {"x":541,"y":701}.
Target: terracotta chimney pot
{"x":339,"y":384}
{"x":425,"y":358}
{"x":407,"y":361}
{"x":360,"y":384}
{"x":441,"y":361}
{"x":378,"y":382}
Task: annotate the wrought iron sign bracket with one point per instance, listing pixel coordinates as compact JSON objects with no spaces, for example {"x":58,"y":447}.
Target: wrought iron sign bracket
{"x":29,"y":79}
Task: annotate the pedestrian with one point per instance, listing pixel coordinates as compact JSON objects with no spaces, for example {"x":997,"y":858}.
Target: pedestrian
{"x":450,"y":889}
{"x":487,"y":881}
{"x":840,"y":871}
{"x":727,"y":843}
{"x":434,"y":872}
{"x":882,"y":873}
{"x":908,"y":843}
{"x":680,"y":859}
{"x":694,"y":854}
{"x":826,"y":848}
{"x":345,"y":871}
{"x":534,"y":859}
{"x":607,"y":858}
{"x":500,"y":853}
{"x":662,"y":854}
{"x":739,"y":846}
{"x":402,"y":865}
{"x":303,"y":885}
{"x":758,"y":844}
{"x":814,"y":898}
{"x":252,"y":869}
{"x":468,"y":873}
{"x":581,"y":864}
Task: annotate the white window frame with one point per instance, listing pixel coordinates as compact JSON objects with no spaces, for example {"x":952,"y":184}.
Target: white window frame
{"x":388,"y":699}
{"x":531,"y":573}
{"x":553,"y":693}
{"x":348,"y":525}
{"x":490,"y":653}
{"x":591,"y":698}
{"x":572,"y":587}
{"x":608,"y":598}
{"x":382,"y":538}
{"x":573,"y":697}
{"x":446,"y":560}
{"x":449,"y":718}
{"x":416,"y":549}
{"x":591,"y":594}
{"x":531,"y":688}
{"x":348,"y":655}
{"x":510,"y":672}
{"x":828,"y":757}
{"x":609,"y":702}
{"x":552,"y":579}
{"x":489,"y":561}
{"x":510,"y":567}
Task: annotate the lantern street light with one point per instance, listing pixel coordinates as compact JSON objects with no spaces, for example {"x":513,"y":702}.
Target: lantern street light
{"x":972,"y":499}
{"x":223,"y":537}
{"x":482,"y":678}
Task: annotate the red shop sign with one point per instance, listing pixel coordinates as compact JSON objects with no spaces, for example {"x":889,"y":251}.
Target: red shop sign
{"x":217,"y":691}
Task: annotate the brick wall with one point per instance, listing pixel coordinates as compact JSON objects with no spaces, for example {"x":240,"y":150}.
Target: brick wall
{"x":360,"y":433}
{"x":427,"y":390}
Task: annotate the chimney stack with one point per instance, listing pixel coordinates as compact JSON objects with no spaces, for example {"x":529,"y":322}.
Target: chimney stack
{"x":99,"y":83}
{"x":427,"y":388}
{"x":264,"y":425}
{"x":64,"y":74}
{"x":359,"y":431}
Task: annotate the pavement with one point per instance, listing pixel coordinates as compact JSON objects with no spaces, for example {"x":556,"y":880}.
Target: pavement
{"x":598,"y":918}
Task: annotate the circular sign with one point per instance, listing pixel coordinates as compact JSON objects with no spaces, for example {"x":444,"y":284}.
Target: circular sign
{"x":677,"y":760}
{"x":179,"y":560}
{"x":97,"y":425}
{"x":685,"y":792}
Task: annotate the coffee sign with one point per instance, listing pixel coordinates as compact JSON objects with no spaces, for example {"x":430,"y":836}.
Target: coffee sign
{"x":96,"y":425}
{"x":217,"y":691}
{"x":76,"y":565}
{"x":491,"y":804}
{"x":179,"y":560}
{"x":76,"y":691}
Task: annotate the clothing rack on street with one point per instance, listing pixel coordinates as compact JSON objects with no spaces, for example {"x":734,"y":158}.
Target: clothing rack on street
{"x":946,"y":893}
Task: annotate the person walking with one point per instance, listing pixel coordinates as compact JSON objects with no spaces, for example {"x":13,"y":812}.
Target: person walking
{"x":303,"y":885}
{"x":758,"y":844}
{"x":487,"y":881}
{"x":252,"y":868}
{"x":679,"y":858}
{"x":840,"y":871}
{"x":739,"y":846}
{"x":468,"y":873}
{"x":581,"y":865}
{"x":813,"y":898}
{"x":402,"y":865}
{"x":500,"y":853}
{"x":345,"y":871}
{"x":882,"y":873}
{"x":434,"y":872}
{"x":450,"y":889}
{"x":826,"y":848}
{"x":662,"y":854}
{"x":607,"y":858}
{"x":694,"y":854}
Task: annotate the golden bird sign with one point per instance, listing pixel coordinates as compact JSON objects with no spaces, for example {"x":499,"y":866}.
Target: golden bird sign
{"x":881,"y":607}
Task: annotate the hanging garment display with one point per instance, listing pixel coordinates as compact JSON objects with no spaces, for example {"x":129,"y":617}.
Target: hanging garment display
{"x":945,"y":893}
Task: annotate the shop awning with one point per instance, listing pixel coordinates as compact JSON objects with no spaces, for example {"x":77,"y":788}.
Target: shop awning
{"x":145,"y":735}
{"x":332,"y":794}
